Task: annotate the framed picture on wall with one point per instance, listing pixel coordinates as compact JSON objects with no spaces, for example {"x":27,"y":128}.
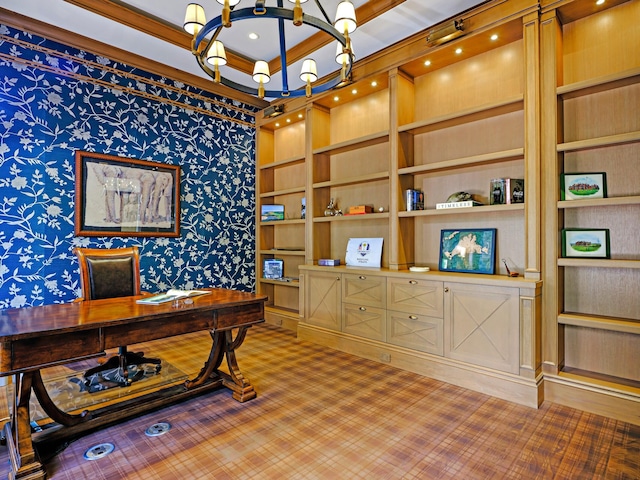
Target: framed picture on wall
{"x":583,"y":186}
{"x":119,"y":196}
{"x":585,"y":242}
{"x":468,"y":250}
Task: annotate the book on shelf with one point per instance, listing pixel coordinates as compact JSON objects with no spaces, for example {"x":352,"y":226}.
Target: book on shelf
{"x":463,"y":204}
{"x":328,"y":262}
{"x":506,"y":191}
{"x":170,"y":295}
{"x":414,"y":199}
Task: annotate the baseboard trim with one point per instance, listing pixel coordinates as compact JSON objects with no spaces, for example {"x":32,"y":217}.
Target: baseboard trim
{"x":524,"y":391}
{"x":593,"y":398}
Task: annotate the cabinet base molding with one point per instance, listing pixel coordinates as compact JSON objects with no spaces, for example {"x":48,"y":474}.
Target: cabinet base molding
{"x":282,"y":319}
{"x":528,"y":392}
{"x":593,"y":398}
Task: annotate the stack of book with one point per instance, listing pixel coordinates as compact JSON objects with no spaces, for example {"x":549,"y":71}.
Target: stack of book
{"x":415,"y":199}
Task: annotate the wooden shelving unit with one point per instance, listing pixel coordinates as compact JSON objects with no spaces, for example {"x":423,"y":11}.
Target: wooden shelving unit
{"x":532,"y":93}
{"x":592,"y":309}
{"x":281,"y":179}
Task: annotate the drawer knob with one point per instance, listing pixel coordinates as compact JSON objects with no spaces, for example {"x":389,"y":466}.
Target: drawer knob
{"x":413,"y":282}
{"x":362,"y":277}
{"x":446,"y":289}
{"x":412,"y":317}
{"x":363,"y":309}
{"x":337,"y":279}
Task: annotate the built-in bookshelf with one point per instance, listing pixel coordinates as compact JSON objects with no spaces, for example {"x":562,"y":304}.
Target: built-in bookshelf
{"x":592,"y":312}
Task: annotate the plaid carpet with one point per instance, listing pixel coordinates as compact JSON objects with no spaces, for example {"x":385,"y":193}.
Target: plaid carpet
{"x":323,"y":414}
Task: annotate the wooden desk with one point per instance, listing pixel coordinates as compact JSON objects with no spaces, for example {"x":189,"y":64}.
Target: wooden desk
{"x":38,"y":337}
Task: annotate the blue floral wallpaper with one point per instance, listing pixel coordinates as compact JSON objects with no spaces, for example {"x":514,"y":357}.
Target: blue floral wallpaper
{"x":55,"y":100}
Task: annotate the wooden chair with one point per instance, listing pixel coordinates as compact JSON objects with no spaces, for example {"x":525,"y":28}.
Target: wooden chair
{"x":110,"y":273}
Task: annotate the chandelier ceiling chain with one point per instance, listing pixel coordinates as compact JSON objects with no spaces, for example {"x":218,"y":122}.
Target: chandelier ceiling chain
{"x":210,"y":52}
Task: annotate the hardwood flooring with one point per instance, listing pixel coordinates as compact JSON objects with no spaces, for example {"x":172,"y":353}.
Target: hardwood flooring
{"x":323,"y":414}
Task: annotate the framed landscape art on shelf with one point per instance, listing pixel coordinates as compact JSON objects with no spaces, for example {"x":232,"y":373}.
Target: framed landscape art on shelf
{"x":582,"y":186}
{"x":118,"y":196}
{"x":585,"y":242}
{"x":468,"y":250}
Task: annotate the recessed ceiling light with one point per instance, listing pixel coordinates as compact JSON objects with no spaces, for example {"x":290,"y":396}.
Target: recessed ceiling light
{"x":300,"y":115}
{"x":288,"y":120}
{"x":599,"y":2}
{"x":277,"y":124}
{"x":458,"y":51}
{"x":254,"y":36}
{"x":374,"y":84}
{"x":494,"y":37}
{"x":335,"y":99}
{"x":354,"y":91}
{"x":427,"y":63}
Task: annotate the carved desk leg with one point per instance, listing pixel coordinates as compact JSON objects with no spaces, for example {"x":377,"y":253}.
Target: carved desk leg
{"x":211,"y":365}
{"x":241,"y":387}
{"x":225,"y":345}
{"x":25,"y":463}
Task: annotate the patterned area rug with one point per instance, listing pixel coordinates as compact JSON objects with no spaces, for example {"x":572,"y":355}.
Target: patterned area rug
{"x":69,"y":391}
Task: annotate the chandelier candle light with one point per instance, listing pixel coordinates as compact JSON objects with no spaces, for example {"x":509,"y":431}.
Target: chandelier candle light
{"x":210,"y":51}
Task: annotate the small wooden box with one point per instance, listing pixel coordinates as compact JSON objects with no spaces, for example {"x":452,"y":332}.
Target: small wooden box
{"x":360,"y":209}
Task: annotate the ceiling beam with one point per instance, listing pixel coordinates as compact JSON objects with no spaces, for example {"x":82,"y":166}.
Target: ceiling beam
{"x":364,"y":14}
{"x":155,"y":27}
{"x":134,"y":18}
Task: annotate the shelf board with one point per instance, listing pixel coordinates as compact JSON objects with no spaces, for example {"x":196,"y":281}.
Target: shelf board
{"x":625,"y":325}
{"x":608,"y":141}
{"x":353,"y":180}
{"x":354,"y":144}
{"x":465,"y":116}
{"x":493,"y":157}
{"x":287,"y":162}
{"x":296,"y":221}
{"x":289,"y":312}
{"x":286,"y":191}
{"x":467,"y":210}
{"x":615,"y":385}
{"x":283,"y":252}
{"x":599,"y":84}
{"x":600,"y":202}
{"x":292,"y":284}
{"x":346,"y":218}
{"x":598,"y":263}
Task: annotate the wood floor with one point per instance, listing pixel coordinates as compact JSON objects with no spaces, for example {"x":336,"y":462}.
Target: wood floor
{"x":323,"y":414}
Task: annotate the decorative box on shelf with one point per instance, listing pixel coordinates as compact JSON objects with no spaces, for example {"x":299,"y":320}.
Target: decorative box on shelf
{"x":463,"y":204}
{"x":359,"y":210}
{"x":329,"y":262}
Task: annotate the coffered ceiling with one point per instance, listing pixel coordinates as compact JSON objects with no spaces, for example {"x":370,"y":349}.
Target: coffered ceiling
{"x":153,"y":29}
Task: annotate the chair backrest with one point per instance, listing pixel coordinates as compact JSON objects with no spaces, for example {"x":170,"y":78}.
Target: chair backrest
{"x":109,"y":273}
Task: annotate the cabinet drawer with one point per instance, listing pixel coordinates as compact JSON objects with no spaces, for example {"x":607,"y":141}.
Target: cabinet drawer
{"x":417,"y":332}
{"x":415,"y":296}
{"x":364,"y":290}
{"x":364,"y":321}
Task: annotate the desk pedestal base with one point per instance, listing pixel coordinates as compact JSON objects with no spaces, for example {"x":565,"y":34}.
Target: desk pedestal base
{"x":24,"y":447}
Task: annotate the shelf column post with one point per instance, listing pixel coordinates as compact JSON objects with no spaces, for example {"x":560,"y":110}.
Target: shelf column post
{"x":551,"y":77}
{"x":531,"y":35}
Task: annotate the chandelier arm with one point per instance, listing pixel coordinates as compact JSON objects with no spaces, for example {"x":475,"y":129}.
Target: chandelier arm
{"x":324,"y":13}
{"x":283,"y":58}
{"x":215,"y":25}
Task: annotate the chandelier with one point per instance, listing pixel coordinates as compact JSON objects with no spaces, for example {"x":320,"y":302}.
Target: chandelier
{"x":210,"y":53}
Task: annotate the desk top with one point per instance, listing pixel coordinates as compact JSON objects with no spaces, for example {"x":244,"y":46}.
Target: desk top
{"x":28,"y":322}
